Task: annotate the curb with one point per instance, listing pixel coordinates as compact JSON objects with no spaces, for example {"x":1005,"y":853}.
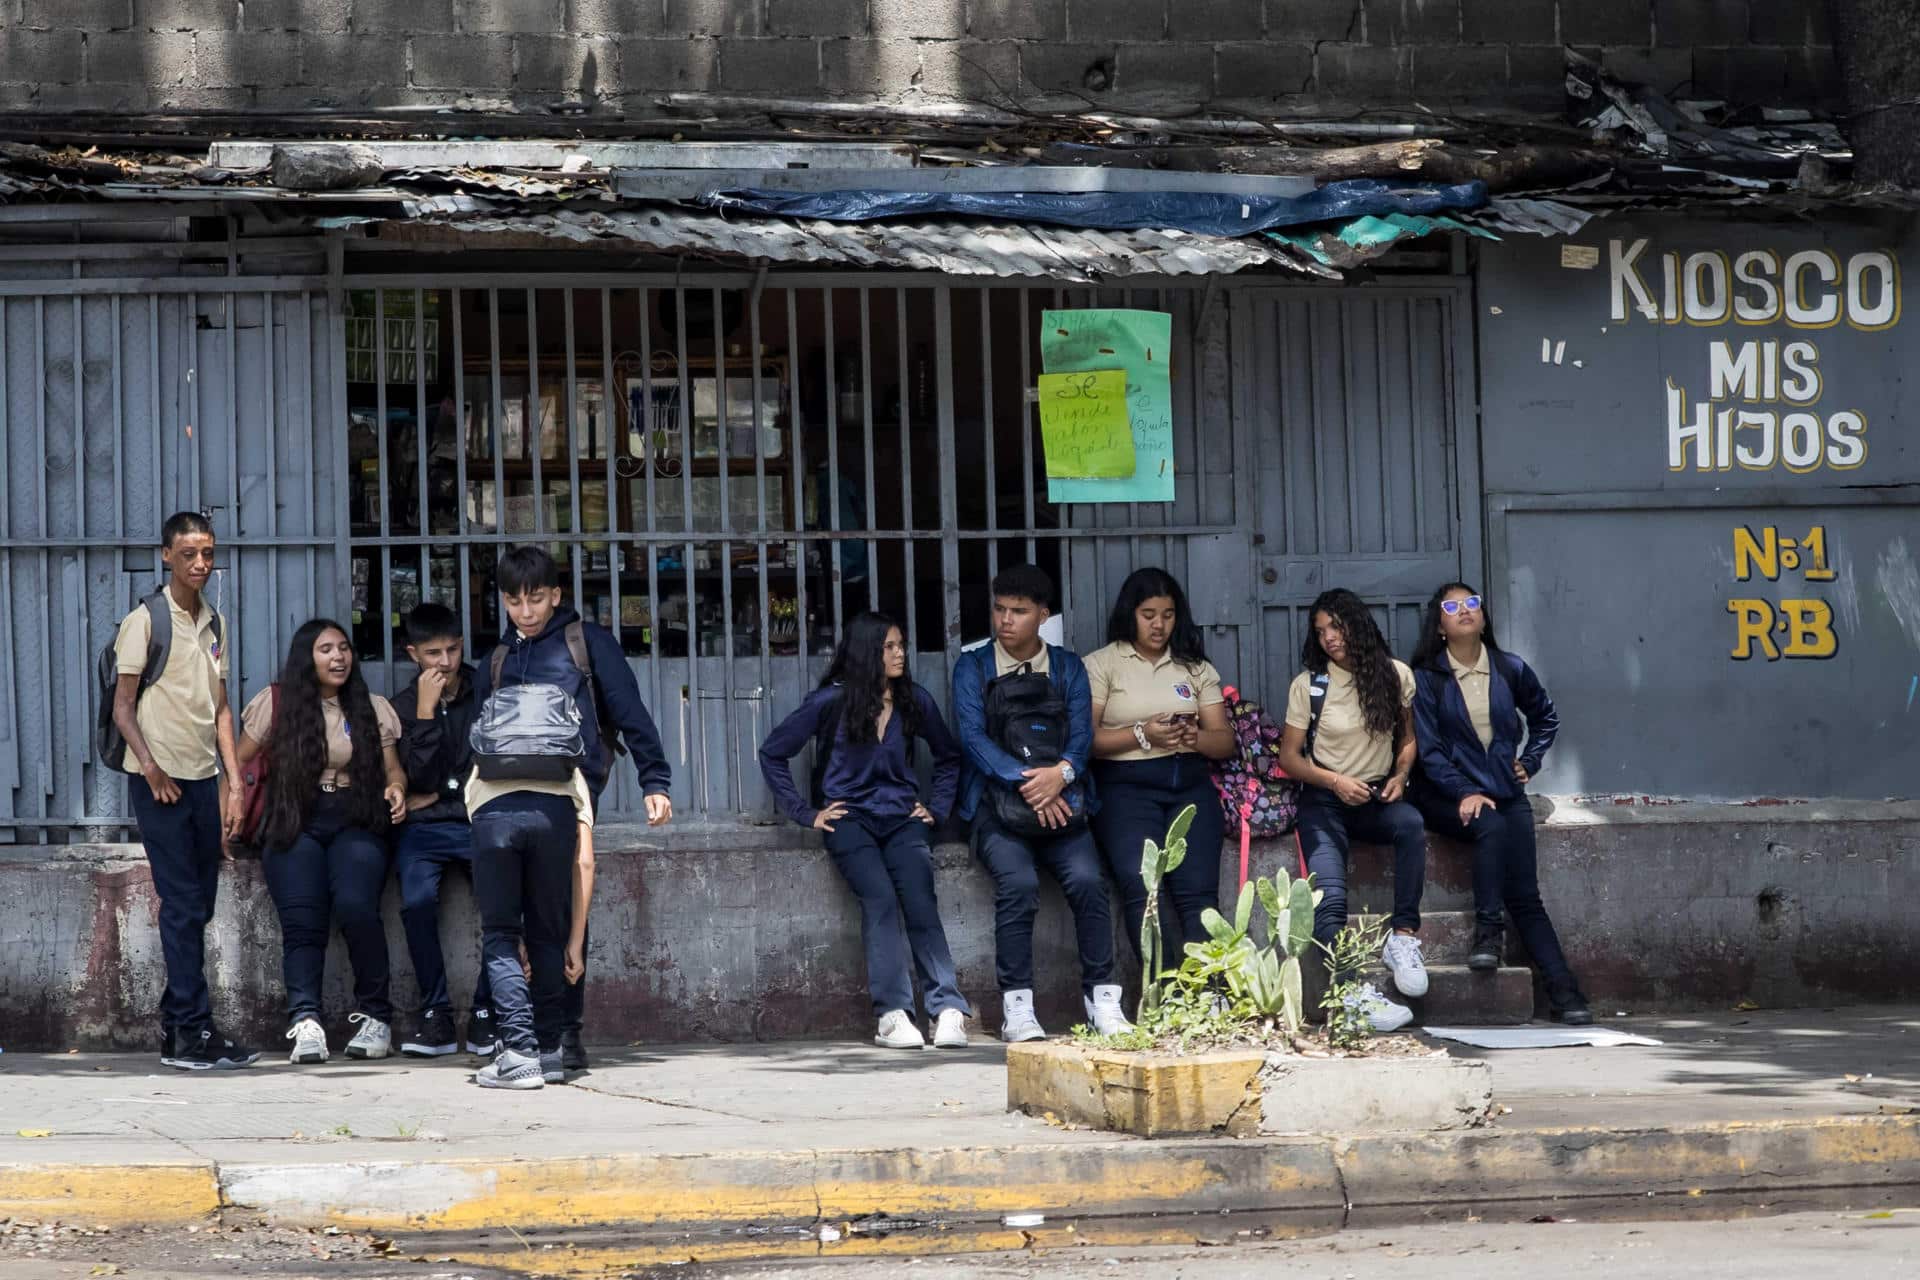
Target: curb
{"x":1315,"y":1182}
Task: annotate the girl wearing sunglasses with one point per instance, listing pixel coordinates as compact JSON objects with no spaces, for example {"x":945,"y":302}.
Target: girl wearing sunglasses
{"x":1470,"y":697}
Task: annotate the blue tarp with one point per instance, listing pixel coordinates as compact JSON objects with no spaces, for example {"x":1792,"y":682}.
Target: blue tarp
{"x":1202,"y":213}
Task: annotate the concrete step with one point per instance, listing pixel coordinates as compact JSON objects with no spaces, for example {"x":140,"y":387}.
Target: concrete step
{"x":1458,"y":996}
{"x":1446,"y":937}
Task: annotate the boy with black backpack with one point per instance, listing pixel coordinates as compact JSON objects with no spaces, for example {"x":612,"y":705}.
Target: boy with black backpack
{"x":1024,"y":714}
{"x":167,"y":724}
{"x":546,"y":643}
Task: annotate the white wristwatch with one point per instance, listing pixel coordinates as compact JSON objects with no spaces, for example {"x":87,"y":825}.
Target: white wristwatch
{"x":1140,"y":735}
{"x":1067,"y":774}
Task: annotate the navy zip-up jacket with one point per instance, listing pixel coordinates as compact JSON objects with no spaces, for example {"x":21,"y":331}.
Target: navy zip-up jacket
{"x":873,"y":779}
{"x":545,"y":660}
{"x":1452,"y":761}
{"x":987,"y":761}
{"x":438,"y":753}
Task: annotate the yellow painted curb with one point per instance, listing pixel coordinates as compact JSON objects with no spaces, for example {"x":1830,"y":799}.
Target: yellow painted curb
{"x":112,"y":1195}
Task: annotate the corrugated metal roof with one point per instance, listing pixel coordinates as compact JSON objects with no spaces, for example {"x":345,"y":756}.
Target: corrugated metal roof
{"x":956,"y":248}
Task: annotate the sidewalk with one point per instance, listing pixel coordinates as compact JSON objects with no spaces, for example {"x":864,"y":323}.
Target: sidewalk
{"x":800,"y":1134}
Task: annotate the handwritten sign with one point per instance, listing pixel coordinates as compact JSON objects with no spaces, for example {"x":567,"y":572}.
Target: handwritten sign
{"x":1139,"y":343}
{"x":1083,"y":422}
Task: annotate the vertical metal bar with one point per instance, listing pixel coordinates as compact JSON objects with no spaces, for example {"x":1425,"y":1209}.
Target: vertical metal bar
{"x":1201,"y":328}
{"x":760,"y":489}
{"x":153,"y":409}
{"x":306,"y":450}
{"x":1380,"y":428}
{"x":119,"y":430}
{"x":337,"y":402}
{"x":652,"y":455}
{"x":463,"y":583}
{"x":423,"y":443}
{"x":610,"y":395}
{"x":906,"y":473}
{"x":190,"y":358}
{"x":496,"y":445}
{"x":79,"y":420}
{"x":990,"y":451}
{"x":1066,"y":511}
{"x":579,"y":549}
{"x":866,"y":413}
{"x":386,"y":506}
{"x":833,"y":463}
{"x":1346,"y":426}
{"x":271,"y":420}
{"x":45,"y":788}
{"x":797,"y":514}
{"x":949,"y":506}
{"x":691,"y":700}
{"x":229,"y":304}
{"x":536,"y":441}
{"x":723,"y":376}
{"x":1318,"y":437}
{"x":1415,"y":403}
{"x":1026,"y":419}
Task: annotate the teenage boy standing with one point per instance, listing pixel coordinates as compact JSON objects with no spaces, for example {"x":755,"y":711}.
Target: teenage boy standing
{"x":437,"y":712}
{"x":1059,"y":795}
{"x":179,"y":736}
{"x":545,"y":643}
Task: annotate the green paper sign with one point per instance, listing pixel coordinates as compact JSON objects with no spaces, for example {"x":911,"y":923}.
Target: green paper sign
{"x":1083,"y":423}
{"x":1139,"y":343}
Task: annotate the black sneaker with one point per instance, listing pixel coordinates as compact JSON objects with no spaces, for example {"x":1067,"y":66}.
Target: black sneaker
{"x":1569,"y":1008}
{"x":205,"y":1050}
{"x":573,"y":1052}
{"x":480,"y":1034}
{"x":433,"y":1036}
{"x":1487,"y":945}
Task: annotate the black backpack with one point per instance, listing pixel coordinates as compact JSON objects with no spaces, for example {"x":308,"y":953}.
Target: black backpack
{"x":575,"y":634}
{"x":1027,"y":716}
{"x":824,"y":734}
{"x":108,"y":744}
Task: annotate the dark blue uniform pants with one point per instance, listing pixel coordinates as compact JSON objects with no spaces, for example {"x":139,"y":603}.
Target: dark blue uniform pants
{"x":1139,"y":799}
{"x":421,"y":857}
{"x":182,"y":840}
{"x":1328,"y":825}
{"x":523,"y":851}
{"x":1014,"y":862}
{"x":888,"y":863}
{"x":332,"y":875}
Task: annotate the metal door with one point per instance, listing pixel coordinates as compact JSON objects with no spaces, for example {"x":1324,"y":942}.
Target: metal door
{"x":1365,"y":458}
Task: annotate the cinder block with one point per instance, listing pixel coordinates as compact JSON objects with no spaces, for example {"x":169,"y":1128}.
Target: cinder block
{"x":1416,"y":21}
{"x":1215,"y":20}
{"x":493,"y":17}
{"x":868,"y":68}
{"x":1017,"y":19}
{"x":426,"y":16}
{"x":1813,"y":77}
{"x":308,"y":17}
{"x":973,"y":69}
{"x":140,"y":57}
{"x":842,"y":18}
{"x":1741,"y":76}
{"x":1682,"y":24}
{"x":1789,"y":22}
{"x":568,"y":65}
{"x":1262,"y":71}
{"x":463,"y":62}
{"x":1605,"y":22}
{"x":188,"y":97}
{"x":81,"y":15}
{"x":1310,"y":20}
{"x":649,"y":67}
{"x":614,"y":18}
{"x":917,"y":19}
{"x":714,"y":18}
{"x":1164,"y":68}
{"x":1065,"y":66}
{"x":1662,"y":69}
{"x":1357,"y":72}
{"x":1117,"y":19}
{"x":346,"y":64}
{"x":1537,"y":74}
{"x":769,"y":67}
{"x":1507,"y":21}
{"x":1468,"y":72}
{"x":224,"y":59}
{"x":45,"y":57}
{"x":179,"y":15}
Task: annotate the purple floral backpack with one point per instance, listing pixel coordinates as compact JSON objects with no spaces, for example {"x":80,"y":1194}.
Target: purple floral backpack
{"x":1252,"y":777}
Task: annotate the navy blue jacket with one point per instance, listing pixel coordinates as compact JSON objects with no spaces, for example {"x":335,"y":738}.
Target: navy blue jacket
{"x":1452,"y":761}
{"x":874,"y":779}
{"x":545,"y":660}
{"x":987,"y":761}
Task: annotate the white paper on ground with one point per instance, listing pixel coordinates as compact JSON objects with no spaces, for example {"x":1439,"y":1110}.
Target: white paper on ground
{"x":1537,"y":1037}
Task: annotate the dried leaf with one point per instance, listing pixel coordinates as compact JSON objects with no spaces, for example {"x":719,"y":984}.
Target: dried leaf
{"x":36,"y":1133}
{"x":1745,"y":1006}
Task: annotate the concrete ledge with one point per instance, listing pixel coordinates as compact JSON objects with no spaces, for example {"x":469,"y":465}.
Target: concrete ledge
{"x":161,"y":1194}
{"x":1373,"y":1095}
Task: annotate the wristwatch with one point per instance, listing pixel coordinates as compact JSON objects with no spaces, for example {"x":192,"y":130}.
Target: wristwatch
{"x":1067,"y":774}
{"x":1140,"y":735}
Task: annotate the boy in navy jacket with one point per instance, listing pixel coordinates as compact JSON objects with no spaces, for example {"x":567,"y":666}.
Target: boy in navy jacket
{"x":1061,"y":797}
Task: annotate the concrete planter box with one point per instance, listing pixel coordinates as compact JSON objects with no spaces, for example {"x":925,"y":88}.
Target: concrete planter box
{"x":1244,"y":1093}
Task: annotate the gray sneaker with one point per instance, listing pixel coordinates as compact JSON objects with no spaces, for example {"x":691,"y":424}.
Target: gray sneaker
{"x":510,"y":1070}
{"x":552,"y":1069}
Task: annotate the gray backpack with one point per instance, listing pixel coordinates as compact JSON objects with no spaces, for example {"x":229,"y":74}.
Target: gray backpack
{"x":528,"y":733}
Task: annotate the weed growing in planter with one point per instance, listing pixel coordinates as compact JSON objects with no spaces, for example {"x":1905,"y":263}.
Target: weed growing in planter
{"x":1353,"y":948}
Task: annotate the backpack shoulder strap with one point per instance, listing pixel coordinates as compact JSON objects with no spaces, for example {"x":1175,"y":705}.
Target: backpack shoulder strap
{"x":159,"y":638}
{"x":497,"y":664}
{"x":1316,"y":700}
{"x":576,"y":638}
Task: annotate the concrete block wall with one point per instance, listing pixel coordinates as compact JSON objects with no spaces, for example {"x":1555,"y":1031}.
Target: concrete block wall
{"x":616,"y":57}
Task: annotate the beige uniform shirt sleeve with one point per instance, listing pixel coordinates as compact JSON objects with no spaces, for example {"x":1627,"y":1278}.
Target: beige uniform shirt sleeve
{"x":1206,"y":686}
{"x":1099,"y":673}
{"x":388,"y":719}
{"x":130,"y":644}
{"x":256,"y":720}
{"x":1300,"y":702}
{"x":1405,"y":673}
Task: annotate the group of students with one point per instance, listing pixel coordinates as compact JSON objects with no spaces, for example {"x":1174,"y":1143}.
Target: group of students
{"x":1071,"y":765}
{"x":339,"y":785}
{"x":1053,"y":762}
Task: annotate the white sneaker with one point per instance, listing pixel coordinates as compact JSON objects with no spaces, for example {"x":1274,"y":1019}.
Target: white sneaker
{"x":1017,"y":1023}
{"x":1403,"y":959}
{"x":898,"y":1032}
{"x":309,"y":1043}
{"x":1104,"y":1011}
{"x":950,"y":1029}
{"x":1383,"y":1015}
{"x":373,"y":1040}
{"x":510,"y":1070}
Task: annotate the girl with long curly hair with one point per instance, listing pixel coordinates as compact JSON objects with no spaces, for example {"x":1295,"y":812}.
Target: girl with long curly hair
{"x":334,"y":787}
{"x":864,"y":719}
{"x":1468,"y":705}
{"x":1349,"y":743}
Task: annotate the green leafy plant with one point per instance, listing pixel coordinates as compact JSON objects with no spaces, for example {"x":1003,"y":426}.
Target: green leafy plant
{"x":1156,"y":861}
{"x":1352,"y":948}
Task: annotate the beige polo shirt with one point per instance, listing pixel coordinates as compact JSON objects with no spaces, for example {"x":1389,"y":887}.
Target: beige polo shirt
{"x":1473,"y":687}
{"x":1133,"y":689}
{"x":1343,"y":743}
{"x":257,"y":721}
{"x":176,"y":714}
{"x":1005,"y":664}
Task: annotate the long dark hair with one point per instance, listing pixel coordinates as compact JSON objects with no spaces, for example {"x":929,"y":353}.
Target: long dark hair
{"x":859,"y":667}
{"x":1432,"y":644}
{"x":1368,"y":656}
{"x":298,"y":744}
{"x":1183,"y":642}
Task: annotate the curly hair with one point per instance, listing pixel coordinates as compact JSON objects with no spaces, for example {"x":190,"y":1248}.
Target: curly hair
{"x":1432,"y":644}
{"x":859,"y":667}
{"x":297,"y":745}
{"x":1369,"y":658}
{"x":1142,"y":585}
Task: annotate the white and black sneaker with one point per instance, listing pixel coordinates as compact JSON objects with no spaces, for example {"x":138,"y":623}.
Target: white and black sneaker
{"x":205,"y":1050}
{"x":433,"y":1036}
{"x":373,"y":1040}
{"x":480,"y":1034}
{"x":309,"y":1043}
{"x":510,"y":1070}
